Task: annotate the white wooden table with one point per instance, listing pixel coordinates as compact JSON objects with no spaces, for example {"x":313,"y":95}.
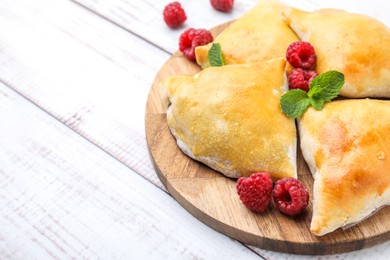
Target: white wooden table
{"x":75,"y":177}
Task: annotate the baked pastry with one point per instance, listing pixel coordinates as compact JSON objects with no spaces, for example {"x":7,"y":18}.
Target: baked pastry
{"x":347,"y":148}
{"x":259,"y":35}
{"x":229,"y":118}
{"x":354,"y":44}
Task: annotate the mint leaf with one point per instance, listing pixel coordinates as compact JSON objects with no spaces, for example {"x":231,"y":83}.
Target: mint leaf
{"x":317,"y":103}
{"x":326,"y":86}
{"x":294,"y":102}
{"x":215,"y":55}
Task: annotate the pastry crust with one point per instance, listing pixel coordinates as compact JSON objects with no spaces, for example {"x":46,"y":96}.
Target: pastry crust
{"x":354,"y":44}
{"x":229,"y":118}
{"x":259,"y":35}
{"x":347,"y":147}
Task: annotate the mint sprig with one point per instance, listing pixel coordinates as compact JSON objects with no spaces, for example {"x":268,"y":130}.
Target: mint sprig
{"x":215,"y":55}
{"x":294,"y":102}
{"x":323,"y":88}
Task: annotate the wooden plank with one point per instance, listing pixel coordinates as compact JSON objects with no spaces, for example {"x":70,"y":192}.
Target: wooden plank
{"x":86,"y":72}
{"x":62,"y":197}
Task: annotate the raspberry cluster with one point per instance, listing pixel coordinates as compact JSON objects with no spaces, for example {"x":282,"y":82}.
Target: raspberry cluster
{"x":301,"y":55}
{"x":289,"y":194}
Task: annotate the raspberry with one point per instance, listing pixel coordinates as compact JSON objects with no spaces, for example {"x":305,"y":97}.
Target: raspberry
{"x":255,"y":191}
{"x":290,"y":196}
{"x":301,"y":55}
{"x":300,"y":78}
{"x":191,"y":38}
{"x":174,"y":15}
{"x":222,"y":5}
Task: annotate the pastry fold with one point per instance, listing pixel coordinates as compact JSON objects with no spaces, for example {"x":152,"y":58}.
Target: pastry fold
{"x":354,"y":44}
{"x":347,"y":148}
{"x":229,"y":118}
{"x":259,"y":35}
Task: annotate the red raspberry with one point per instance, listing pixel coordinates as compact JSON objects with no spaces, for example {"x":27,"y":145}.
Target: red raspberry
{"x":300,"y":78}
{"x":301,"y":55}
{"x":174,"y":15}
{"x":191,"y":38}
{"x":290,"y":196}
{"x":222,"y":5}
{"x":255,"y":191}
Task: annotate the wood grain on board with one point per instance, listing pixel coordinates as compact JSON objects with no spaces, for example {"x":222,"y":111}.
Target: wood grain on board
{"x":212,"y":198}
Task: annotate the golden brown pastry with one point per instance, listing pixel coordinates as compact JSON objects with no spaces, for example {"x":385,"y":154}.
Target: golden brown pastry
{"x":259,"y":35}
{"x":229,"y":118}
{"x":347,"y":147}
{"x":354,"y":44}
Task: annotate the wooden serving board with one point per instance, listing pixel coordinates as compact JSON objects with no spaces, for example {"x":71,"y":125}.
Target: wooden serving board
{"x":211,"y":197}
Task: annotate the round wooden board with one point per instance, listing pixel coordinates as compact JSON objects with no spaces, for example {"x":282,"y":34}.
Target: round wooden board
{"x":211,"y":197}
